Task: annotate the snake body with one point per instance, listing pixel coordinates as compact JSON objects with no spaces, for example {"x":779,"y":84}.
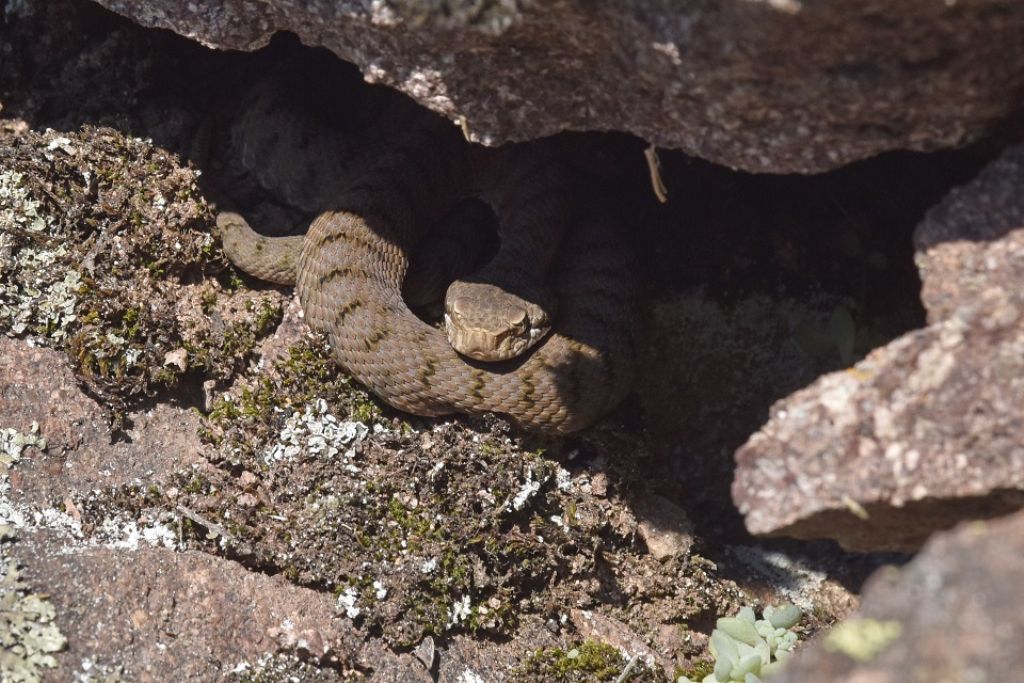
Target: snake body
{"x":350,"y":266}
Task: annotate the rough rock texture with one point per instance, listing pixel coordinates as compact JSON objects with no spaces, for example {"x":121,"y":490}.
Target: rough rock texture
{"x":956,"y":613}
{"x":129,"y":604}
{"x":37,"y":386}
{"x":166,"y":606}
{"x":922,"y":433}
{"x":972,"y":242}
{"x":929,"y":429}
{"x":775,"y":85}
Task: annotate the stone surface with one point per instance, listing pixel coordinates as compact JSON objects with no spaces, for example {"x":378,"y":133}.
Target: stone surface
{"x":152,"y":610}
{"x":777,"y":85}
{"x":129,"y":602}
{"x":956,"y":613}
{"x":663,"y":526}
{"x":973,"y":241}
{"x":925,"y":431}
{"x":36,"y":385}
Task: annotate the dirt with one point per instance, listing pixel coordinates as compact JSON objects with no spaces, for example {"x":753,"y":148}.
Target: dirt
{"x":210,"y":475}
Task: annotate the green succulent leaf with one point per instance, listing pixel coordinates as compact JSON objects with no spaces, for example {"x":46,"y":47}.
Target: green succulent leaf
{"x":784,"y":616}
{"x":739,"y":629}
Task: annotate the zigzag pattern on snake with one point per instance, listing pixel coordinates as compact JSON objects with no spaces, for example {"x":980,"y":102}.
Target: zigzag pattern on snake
{"x":350,"y":266}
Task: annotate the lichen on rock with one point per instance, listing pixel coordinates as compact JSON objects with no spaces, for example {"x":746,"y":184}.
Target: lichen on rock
{"x":29,"y":635}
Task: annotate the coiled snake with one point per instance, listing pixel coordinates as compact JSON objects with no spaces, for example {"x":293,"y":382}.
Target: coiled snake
{"x":350,"y":266}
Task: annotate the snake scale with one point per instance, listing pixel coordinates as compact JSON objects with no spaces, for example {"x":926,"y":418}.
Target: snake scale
{"x":350,"y":265}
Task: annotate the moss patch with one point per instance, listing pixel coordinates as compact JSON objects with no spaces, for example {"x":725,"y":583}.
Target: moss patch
{"x":100,"y":232}
{"x":588,"y":661}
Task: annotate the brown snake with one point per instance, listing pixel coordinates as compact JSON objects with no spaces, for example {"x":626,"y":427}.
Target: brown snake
{"x":350,"y":266}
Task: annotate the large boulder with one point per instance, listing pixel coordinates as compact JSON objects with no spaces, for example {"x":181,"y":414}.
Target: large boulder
{"x":768,"y":85}
{"x":928,"y":430}
{"x":956,"y":613}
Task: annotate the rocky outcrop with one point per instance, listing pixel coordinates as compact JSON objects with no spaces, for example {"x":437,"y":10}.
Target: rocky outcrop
{"x":954,"y":614}
{"x":971,"y":245}
{"x":770,"y":85}
{"x":925,"y":431}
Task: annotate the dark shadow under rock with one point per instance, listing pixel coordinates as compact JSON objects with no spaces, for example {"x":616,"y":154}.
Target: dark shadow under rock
{"x":926,"y":430}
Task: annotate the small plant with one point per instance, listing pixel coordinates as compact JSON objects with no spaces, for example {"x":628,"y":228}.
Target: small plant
{"x":746,"y":648}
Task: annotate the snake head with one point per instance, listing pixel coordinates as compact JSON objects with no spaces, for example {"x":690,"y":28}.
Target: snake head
{"x":487,"y":323}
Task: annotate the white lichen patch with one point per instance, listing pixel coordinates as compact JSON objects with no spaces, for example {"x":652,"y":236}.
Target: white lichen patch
{"x":112,"y":532}
{"x":14,"y":516}
{"x":347,"y":603}
{"x":37,"y":294}
{"x":28,"y":634}
{"x":795,"y":579}
{"x":92,"y":671}
{"x":276,"y":666}
{"x":527,"y":491}
{"x":316,"y":432}
{"x":126,"y":534}
{"x":13,"y":443}
{"x":469,"y":676}
{"x":459,"y":611}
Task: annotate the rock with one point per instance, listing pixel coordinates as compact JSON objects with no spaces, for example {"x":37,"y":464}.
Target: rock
{"x":921,"y":434}
{"x":780,"y":85}
{"x":956,"y":613}
{"x":177,"y":358}
{"x":604,"y":629}
{"x":926,"y":431}
{"x":664,"y":527}
{"x":36,"y":385}
{"x":972,"y":241}
{"x":148,"y":612}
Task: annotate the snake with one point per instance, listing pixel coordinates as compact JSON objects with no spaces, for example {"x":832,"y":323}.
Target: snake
{"x":545,"y":334}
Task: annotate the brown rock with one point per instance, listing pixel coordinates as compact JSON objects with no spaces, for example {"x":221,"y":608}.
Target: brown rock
{"x":974,"y":239}
{"x":153,"y":610}
{"x":37,"y":385}
{"x":605,"y":629}
{"x":776,"y":86}
{"x":664,"y":527}
{"x":956,"y":613}
{"x":928,"y":430}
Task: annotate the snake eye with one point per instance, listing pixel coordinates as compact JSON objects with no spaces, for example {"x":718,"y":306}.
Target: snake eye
{"x":455,"y":310}
{"x":518,"y":322}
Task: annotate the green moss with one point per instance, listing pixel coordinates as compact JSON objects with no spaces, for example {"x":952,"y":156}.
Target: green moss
{"x":231,"y":280}
{"x":306,"y":375}
{"x":117,"y":319}
{"x":130,"y":323}
{"x":589,"y":661}
{"x":266,"y":319}
{"x":696,"y":672}
{"x":196,"y":485}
